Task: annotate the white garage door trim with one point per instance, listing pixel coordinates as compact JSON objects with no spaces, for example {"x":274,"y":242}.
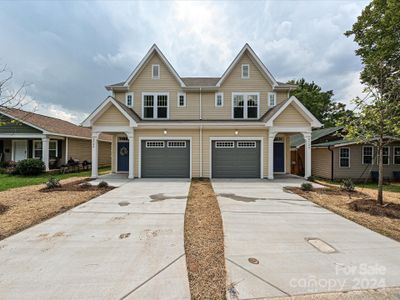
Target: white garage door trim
{"x":164,"y":138}
{"x":236,"y":138}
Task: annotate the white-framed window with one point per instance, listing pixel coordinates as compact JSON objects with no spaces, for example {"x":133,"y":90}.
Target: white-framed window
{"x":155,"y":71}
{"x":37,"y":149}
{"x":181,"y":99}
{"x":245,"y":105}
{"x":129,"y":99}
{"x":367,"y":155}
{"x":246,"y":144}
{"x":155,"y":144}
{"x":271,"y":99}
{"x":396,"y":155}
{"x":176,"y":144}
{"x":386,"y":155}
{"x":219,"y":99}
{"x":155,"y":105}
{"x":344,"y":157}
{"x":245,"y":71}
{"x":225,"y":144}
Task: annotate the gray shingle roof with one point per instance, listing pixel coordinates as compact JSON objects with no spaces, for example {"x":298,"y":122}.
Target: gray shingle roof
{"x":298,"y":140}
{"x":200,"y":81}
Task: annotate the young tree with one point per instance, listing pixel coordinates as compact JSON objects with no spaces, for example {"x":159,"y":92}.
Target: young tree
{"x":377,"y":32}
{"x":319,"y":103}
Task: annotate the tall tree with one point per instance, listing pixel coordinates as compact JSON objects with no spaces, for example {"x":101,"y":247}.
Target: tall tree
{"x":377,"y":33}
{"x":319,"y":103}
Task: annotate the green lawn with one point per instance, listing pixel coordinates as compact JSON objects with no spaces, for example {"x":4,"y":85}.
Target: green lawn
{"x":14,"y":181}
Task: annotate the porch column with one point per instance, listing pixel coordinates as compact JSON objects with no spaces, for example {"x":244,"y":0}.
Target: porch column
{"x":45,"y":152}
{"x":307,"y":154}
{"x":271,"y":137}
{"x":130,"y":136}
{"x":95,"y":153}
{"x":114,"y":154}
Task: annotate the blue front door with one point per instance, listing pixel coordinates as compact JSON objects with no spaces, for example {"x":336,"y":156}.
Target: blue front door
{"x":279,"y":157}
{"x":123,"y":157}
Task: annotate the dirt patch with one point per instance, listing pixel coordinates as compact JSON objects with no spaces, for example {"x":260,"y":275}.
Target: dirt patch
{"x":3,"y":208}
{"x":30,"y":205}
{"x":360,"y":207}
{"x":204,"y":243}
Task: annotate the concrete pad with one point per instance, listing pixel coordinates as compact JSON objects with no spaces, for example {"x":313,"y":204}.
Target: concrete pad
{"x":114,"y":180}
{"x":275,"y":227}
{"x":101,"y":250}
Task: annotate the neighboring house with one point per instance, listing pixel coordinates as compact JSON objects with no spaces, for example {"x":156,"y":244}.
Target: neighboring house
{"x":25,"y":134}
{"x":234,"y":126}
{"x":334,"y":157}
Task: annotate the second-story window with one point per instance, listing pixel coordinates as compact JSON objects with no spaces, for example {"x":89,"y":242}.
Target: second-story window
{"x":271,"y":99}
{"x":181,"y":99}
{"x":129,"y":99}
{"x":155,"y":106}
{"x":155,"y":71}
{"x":245,"y":71}
{"x":245,"y":105}
{"x":219,"y":99}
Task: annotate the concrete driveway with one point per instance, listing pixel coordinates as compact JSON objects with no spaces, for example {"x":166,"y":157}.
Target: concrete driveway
{"x":268,"y":253}
{"x":125,"y":244}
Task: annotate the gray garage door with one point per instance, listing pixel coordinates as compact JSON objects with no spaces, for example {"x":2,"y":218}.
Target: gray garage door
{"x":236,"y":159}
{"x":165,"y":159}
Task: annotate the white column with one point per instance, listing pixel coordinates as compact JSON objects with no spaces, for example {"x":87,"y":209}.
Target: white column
{"x":307,"y":154}
{"x":271,"y":137}
{"x":45,"y":152}
{"x":66,"y":150}
{"x":131,"y":154}
{"x":114,"y":154}
{"x":95,"y":153}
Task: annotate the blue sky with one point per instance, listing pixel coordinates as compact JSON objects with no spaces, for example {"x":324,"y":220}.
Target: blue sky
{"x":68,"y":51}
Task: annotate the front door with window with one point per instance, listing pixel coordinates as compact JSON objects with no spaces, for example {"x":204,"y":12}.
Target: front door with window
{"x":279,"y":157}
{"x":123,"y":156}
{"x":20,"y":150}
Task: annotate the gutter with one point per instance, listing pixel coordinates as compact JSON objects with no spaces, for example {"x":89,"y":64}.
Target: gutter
{"x":332,"y":164}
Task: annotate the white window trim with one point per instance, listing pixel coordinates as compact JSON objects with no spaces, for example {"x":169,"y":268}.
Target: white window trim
{"x":52,"y":141}
{"x":126,"y":99}
{"x":245,"y":105}
{"x":387,"y":156}
{"x":178,"y":104}
{"x":34,"y":142}
{"x":155,"y":144}
{"x":248,"y":71}
{"x":246,"y":144}
{"x":155,"y":105}
{"x":394,"y":154}
{"x":216,"y":97}
{"x":152,"y":71}
{"x":268,"y":101}
{"x":340,"y":157}
{"x":176,"y":144}
{"x":362,"y":155}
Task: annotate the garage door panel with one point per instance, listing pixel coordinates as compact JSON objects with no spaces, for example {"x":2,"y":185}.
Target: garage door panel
{"x":163,"y":160}
{"x":236,"y":162}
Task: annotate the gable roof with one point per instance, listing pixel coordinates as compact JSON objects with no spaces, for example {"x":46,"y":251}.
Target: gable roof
{"x":154,"y":49}
{"x":49,"y":125}
{"x":256,"y":60}
{"x":297,"y":140}
{"x":200,"y":81}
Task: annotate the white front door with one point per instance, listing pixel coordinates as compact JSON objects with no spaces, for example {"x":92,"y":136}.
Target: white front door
{"x":20,"y":150}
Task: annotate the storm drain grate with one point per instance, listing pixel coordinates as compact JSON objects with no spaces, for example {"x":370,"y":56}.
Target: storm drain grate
{"x":320,"y":245}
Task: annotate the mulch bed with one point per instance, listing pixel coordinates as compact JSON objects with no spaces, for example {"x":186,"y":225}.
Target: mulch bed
{"x":21,"y":208}
{"x":360,"y":207}
{"x":204,"y":243}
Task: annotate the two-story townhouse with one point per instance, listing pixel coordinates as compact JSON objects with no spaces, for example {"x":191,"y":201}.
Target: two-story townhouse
{"x":234,"y":126}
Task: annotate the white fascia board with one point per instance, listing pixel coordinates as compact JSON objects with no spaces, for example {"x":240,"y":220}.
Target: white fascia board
{"x":259,"y":64}
{"x":153,"y":49}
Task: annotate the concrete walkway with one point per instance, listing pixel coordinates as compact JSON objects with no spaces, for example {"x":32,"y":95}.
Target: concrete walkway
{"x":125,"y":244}
{"x":279,"y":244}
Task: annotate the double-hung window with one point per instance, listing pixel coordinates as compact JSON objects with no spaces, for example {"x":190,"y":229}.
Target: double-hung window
{"x":385,"y":156}
{"x":245,"y":71}
{"x":344,"y":157}
{"x":37,"y":150}
{"x":396,"y":155}
{"x":53,"y":149}
{"x":219,"y":99}
{"x":155,"y":105}
{"x":155,"y":71}
{"x":271,"y":99}
{"x":245,"y":105}
{"x":181,"y":99}
{"x":367,"y":155}
{"x":129,"y":99}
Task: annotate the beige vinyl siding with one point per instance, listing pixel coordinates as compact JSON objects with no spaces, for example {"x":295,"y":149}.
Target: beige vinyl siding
{"x":281,"y":96}
{"x":291,"y":117}
{"x":112,"y":117}
{"x":82,"y":150}
{"x":359,"y":171}
{"x":321,"y":163}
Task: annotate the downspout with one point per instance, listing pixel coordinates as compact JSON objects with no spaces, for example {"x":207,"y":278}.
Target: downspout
{"x":201,"y":138}
{"x":200,"y":110}
{"x":332,"y":164}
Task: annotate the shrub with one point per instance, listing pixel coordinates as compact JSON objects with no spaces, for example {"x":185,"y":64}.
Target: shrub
{"x":347,"y":185}
{"x":311,"y":178}
{"x":53,"y":183}
{"x":85,"y":185}
{"x":306,"y":186}
{"x":29,"y":167}
{"x":102,"y":184}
